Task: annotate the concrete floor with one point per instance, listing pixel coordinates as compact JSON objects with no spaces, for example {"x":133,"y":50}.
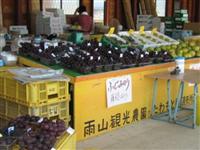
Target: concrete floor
{"x":146,"y":135}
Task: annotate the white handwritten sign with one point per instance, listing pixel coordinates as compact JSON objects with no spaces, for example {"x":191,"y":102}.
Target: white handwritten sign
{"x":194,"y":67}
{"x":119,"y":90}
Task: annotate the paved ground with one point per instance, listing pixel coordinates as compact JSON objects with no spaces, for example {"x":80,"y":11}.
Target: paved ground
{"x":146,"y":135}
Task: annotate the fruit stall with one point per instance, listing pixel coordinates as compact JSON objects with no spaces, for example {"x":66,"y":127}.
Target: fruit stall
{"x":108,"y":84}
{"x":91,"y":115}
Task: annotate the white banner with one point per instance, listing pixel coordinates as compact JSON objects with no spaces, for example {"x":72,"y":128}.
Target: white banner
{"x":119,"y":90}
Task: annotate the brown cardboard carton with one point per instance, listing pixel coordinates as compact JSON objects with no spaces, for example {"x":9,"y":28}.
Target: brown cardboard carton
{"x":195,"y":27}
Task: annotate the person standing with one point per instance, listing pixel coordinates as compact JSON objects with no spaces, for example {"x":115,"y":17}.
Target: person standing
{"x":83,"y":19}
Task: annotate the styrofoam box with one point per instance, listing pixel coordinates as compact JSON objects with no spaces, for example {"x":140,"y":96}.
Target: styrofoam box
{"x":45,"y":13}
{"x":52,"y":20}
{"x":144,"y":17}
{"x":136,"y":35}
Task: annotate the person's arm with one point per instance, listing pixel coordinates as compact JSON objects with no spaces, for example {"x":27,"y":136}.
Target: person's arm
{"x":76,"y":11}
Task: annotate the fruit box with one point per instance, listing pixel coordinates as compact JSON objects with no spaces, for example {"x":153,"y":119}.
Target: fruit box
{"x":114,"y":40}
{"x":7,"y":143}
{"x":116,"y":66}
{"x":65,"y":142}
{"x":98,"y":68}
{"x":108,"y":67}
{"x":48,"y":62}
{"x":181,"y":34}
{"x":125,"y":33}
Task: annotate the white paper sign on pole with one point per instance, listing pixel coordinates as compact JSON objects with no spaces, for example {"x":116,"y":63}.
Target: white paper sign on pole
{"x":118,"y":90}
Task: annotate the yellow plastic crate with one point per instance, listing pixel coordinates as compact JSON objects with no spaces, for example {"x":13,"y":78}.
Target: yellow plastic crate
{"x":33,"y":94}
{"x":11,"y":110}
{"x":66,"y":142}
{"x":3,"y":122}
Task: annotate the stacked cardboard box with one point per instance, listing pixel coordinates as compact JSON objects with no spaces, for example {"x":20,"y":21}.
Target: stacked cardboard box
{"x":169,"y":25}
{"x":176,"y":23}
{"x":148,"y":21}
{"x":50,"y":21}
{"x":180,"y":17}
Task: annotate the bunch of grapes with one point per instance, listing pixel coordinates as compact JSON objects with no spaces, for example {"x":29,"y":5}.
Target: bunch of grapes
{"x":38,"y":134}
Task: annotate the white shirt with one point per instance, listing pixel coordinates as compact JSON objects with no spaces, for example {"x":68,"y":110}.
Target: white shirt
{"x":84,"y":13}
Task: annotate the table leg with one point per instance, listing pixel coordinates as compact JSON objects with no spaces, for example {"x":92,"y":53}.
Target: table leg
{"x":198,"y":107}
{"x":195,"y":105}
{"x":169,"y":100}
{"x":155,"y":86}
{"x":180,"y":92}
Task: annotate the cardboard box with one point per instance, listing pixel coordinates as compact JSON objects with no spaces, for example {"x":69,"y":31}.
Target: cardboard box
{"x":195,"y":27}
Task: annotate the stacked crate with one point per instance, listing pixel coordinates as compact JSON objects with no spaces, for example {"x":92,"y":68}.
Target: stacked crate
{"x":169,"y":25}
{"x":148,"y":21}
{"x":174,"y":25}
{"x":42,"y":98}
{"x":50,"y":21}
{"x":180,"y":17}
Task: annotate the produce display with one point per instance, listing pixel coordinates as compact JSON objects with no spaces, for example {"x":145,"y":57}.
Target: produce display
{"x":187,"y":49}
{"x":114,"y":41}
{"x":148,"y":39}
{"x":33,"y":133}
{"x":90,"y":56}
{"x":93,"y":56}
{"x":130,"y":40}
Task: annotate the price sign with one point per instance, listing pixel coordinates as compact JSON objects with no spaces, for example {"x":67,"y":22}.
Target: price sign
{"x":118,"y":90}
{"x":154,"y":30}
{"x":111,"y":31}
{"x":130,"y":31}
{"x":142,"y":30}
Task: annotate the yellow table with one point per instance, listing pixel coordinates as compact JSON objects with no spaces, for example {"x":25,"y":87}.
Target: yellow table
{"x":90,"y":115}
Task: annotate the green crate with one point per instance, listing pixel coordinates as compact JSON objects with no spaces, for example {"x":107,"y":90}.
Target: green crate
{"x":168,"y":30}
{"x":107,"y":41}
{"x":169,"y":18}
{"x":169,"y":22}
{"x":184,"y":19}
{"x":180,"y":15}
{"x":181,"y":11}
{"x":169,"y":26}
{"x":168,"y":33}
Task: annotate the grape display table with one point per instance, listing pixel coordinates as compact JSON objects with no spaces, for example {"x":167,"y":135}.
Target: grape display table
{"x":89,"y":111}
{"x":190,"y":76}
